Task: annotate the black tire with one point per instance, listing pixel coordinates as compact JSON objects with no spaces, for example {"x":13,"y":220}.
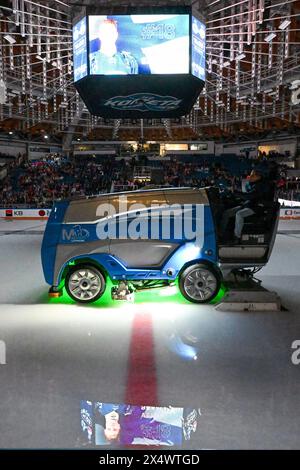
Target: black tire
{"x":199,"y":283}
{"x":90,"y":283}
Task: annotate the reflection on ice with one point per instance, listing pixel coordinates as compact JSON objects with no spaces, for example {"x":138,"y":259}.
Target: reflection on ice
{"x":106,"y":424}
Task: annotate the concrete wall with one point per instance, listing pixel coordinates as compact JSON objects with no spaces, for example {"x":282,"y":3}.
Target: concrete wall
{"x":280,"y":146}
{"x":236,"y":149}
{"x":210,"y":150}
{"x":43,"y":151}
{"x":12,"y":148}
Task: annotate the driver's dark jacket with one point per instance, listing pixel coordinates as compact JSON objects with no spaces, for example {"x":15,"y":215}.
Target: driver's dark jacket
{"x":259,"y":194}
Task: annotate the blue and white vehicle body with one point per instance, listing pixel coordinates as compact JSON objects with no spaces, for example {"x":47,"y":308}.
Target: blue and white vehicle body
{"x":139,"y":238}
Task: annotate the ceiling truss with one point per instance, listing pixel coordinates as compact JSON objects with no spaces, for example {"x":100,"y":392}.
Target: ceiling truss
{"x":253,"y":60}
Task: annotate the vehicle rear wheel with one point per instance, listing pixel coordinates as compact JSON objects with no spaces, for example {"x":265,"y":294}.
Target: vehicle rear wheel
{"x":199,"y":283}
{"x":85,"y":284}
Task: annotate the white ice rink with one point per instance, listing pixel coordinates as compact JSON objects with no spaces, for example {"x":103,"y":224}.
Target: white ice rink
{"x":59,"y":353}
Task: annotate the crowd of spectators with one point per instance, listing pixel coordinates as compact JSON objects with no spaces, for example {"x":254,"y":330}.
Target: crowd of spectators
{"x":178,"y":173}
{"x":40,"y":183}
{"x":288,"y":188}
{"x":8,"y":163}
{"x":274,"y":154}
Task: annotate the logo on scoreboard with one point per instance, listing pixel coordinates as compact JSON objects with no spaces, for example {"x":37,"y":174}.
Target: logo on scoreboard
{"x":144,"y":102}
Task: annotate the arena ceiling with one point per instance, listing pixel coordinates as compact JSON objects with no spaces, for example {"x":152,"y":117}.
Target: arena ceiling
{"x":253,"y":70}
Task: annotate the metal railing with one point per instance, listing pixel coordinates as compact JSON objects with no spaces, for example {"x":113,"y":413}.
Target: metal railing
{"x":143,"y":173}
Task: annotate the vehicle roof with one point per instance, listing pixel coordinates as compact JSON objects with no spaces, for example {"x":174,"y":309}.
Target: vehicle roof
{"x":86,"y":209}
{"x":137,"y":191}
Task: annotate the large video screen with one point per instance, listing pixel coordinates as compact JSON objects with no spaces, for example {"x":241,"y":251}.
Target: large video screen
{"x":80,"y":50}
{"x":198,"y":48}
{"x":139,"y":44}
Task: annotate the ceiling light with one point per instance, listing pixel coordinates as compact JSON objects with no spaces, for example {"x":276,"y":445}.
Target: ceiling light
{"x":284,"y":24}
{"x":270,"y":37}
{"x":240,"y":56}
{"x":10,"y":132}
{"x":10,"y":39}
{"x":46,"y":136}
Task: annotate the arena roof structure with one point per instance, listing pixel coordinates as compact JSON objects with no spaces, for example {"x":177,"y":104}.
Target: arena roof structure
{"x":252,"y":72}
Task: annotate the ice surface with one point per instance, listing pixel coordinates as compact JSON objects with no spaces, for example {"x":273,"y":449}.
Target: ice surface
{"x":59,"y":353}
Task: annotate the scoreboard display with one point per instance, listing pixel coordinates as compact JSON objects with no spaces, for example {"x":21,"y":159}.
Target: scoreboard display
{"x":80,"y":50}
{"x":139,"y":65}
{"x":198,"y":49}
{"x":139,"y":44}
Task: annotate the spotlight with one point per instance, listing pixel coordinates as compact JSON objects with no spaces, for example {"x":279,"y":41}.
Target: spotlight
{"x":270,"y":37}
{"x":240,"y":56}
{"x":46,"y":137}
{"x":284,"y":24}
{"x":10,"y":39}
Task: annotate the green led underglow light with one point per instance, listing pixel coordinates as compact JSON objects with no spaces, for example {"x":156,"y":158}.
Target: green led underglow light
{"x":158,"y":295}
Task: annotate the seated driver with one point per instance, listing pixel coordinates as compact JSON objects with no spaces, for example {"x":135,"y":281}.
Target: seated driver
{"x":256,"y":192}
{"x":107,"y":60}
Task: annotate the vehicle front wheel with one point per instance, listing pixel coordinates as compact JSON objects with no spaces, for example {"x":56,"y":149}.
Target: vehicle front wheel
{"x":85,"y":284}
{"x":199,"y":283}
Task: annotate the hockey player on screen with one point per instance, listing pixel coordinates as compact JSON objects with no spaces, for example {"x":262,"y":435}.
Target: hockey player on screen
{"x":107,"y":60}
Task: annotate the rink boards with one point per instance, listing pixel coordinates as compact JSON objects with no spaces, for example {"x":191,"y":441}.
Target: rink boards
{"x":286,"y":213}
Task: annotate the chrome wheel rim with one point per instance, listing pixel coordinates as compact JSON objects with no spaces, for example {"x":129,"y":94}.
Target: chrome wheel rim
{"x":200,"y":284}
{"x":85,"y":284}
